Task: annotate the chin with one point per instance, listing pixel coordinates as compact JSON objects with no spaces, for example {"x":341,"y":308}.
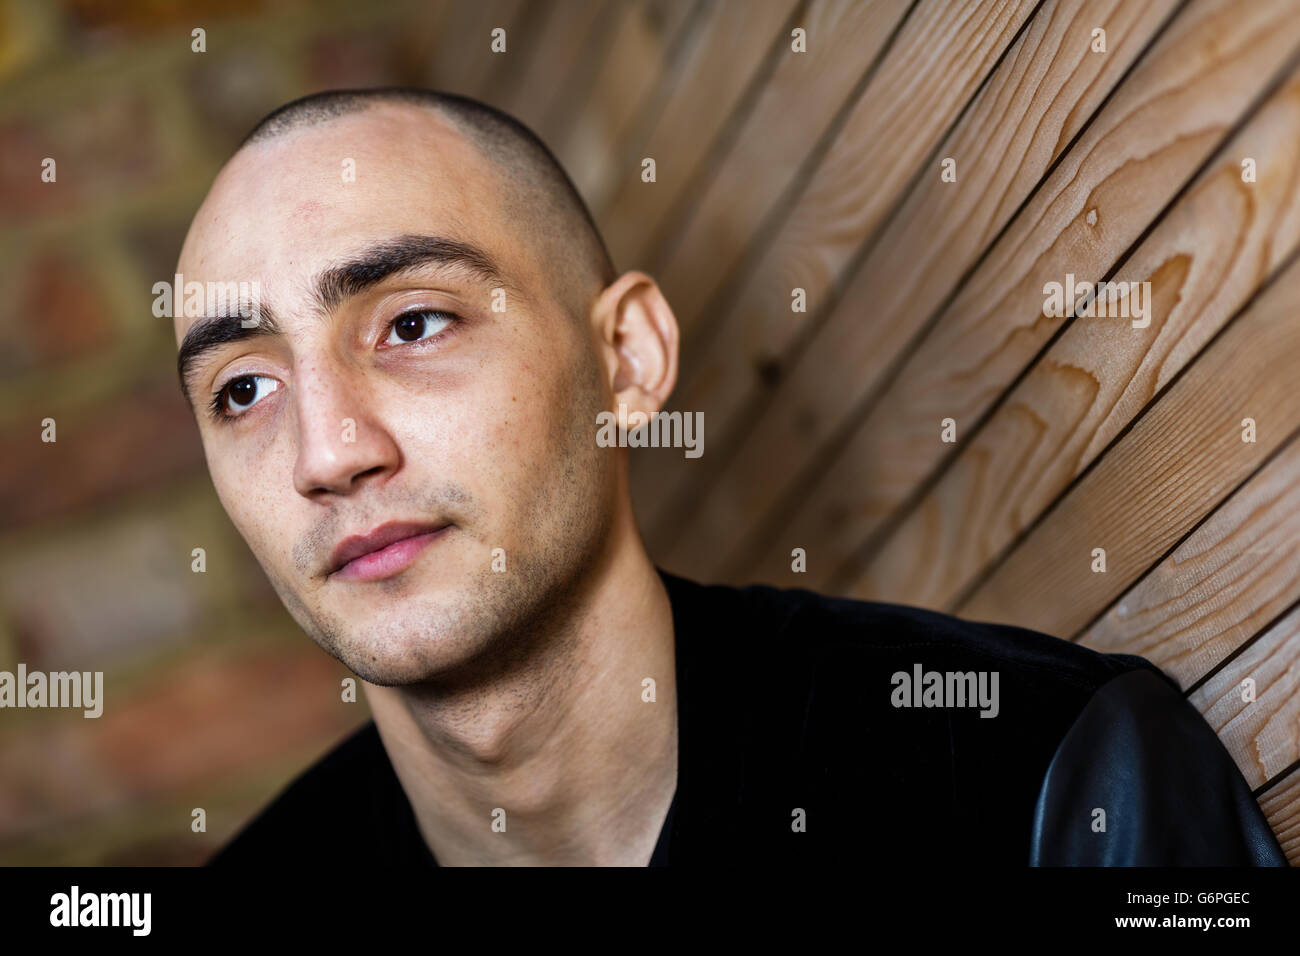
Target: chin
{"x":392,"y":665}
{"x":390,"y":673}
{"x":435,"y":622}
{"x":407,"y":648}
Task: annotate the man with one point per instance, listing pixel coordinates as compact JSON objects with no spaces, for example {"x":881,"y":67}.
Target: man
{"x":405,"y":434}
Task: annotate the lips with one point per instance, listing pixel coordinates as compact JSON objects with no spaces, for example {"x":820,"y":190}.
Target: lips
{"x":381,"y":539}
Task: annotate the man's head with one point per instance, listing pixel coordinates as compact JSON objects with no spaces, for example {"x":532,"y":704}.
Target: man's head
{"x":439,"y":326}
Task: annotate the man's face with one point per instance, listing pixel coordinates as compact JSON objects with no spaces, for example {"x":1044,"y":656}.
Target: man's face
{"x":380,"y":407}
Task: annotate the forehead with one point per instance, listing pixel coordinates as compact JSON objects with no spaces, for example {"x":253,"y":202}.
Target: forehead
{"x":284,"y":209}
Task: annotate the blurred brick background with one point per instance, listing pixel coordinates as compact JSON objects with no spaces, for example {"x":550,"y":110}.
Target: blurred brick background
{"x":214,"y":698}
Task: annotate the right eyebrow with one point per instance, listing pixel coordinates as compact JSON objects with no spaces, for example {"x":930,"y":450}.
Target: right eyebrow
{"x":212,"y":332}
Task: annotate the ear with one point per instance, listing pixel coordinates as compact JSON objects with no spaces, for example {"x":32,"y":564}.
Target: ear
{"x":638,"y":340}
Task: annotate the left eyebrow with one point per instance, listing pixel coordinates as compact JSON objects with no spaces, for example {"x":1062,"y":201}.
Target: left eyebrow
{"x":336,"y":284}
{"x":213,"y":331}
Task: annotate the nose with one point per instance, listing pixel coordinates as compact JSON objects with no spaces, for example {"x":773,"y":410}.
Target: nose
{"x":342,"y":441}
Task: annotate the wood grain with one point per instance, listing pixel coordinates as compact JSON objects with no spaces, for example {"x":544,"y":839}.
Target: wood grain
{"x":1128,"y":165}
{"x":634,"y":63}
{"x":725,"y":48}
{"x":1037,"y":101}
{"x":1179,"y":461}
{"x":1219,"y":588}
{"x":1100,"y":374}
{"x":761,"y":164}
{"x":1263,"y":734}
{"x":898,"y":119}
{"x":555,"y":52}
{"x":1281,"y":805}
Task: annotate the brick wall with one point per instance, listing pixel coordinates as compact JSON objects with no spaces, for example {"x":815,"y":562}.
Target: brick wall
{"x":214,"y":698}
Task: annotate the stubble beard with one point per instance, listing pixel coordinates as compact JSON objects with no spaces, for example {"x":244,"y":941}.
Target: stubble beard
{"x":515,"y":625}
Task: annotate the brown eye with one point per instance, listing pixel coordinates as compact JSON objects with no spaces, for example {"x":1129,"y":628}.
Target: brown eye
{"x":416,"y":325}
{"x":242,"y":393}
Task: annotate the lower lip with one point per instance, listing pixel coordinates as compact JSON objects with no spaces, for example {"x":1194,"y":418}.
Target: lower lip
{"x":387,"y":561}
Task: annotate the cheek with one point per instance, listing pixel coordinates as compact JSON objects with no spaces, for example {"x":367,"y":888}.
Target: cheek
{"x":542,"y":412}
{"x":509,"y":432}
{"x":252,"y":492}
{"x":509,"y":427}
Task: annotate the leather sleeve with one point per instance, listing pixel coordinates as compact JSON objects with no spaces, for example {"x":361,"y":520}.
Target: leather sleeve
{"x":1170,"y":792}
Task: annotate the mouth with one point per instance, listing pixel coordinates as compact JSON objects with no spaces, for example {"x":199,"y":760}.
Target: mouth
{"x":382,"y":553}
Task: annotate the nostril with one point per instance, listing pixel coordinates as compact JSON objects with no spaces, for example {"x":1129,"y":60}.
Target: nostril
{"x":377,"y":469}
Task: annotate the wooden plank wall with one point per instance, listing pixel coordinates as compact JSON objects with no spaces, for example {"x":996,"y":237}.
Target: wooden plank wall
{"x":821,"y":171}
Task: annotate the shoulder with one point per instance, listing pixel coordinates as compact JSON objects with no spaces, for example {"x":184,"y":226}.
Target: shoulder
{"x":939,"y":728}
{"x":1135,"y":781}
{"x":824,"y":630}
{"x":902,"y":678}
{"x":347,"y":795}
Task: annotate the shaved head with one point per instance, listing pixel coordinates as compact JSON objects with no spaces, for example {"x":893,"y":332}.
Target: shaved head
{"x":437,"y":330}
{"x":543,"y":201}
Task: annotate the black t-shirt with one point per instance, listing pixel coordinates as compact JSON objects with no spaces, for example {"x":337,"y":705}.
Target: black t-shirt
{"x":815,"y":729}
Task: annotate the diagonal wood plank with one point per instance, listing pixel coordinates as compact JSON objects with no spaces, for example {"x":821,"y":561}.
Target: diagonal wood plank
{"x":727,"y":49}
{"x":1101,"y":372}
{"x":1178,"y":462}
{"x":1038,"y":100}
{"x":1263,"y":733}
{"x":1230,"y":578}
{"x":634,"y":63}
{"x":558,"y":49}
{"x":463,"y":59}
{"x":1281,"y":806}
{"x":1125,"y":169}
{"x":629,"y":146}
{"x":796,"y":108}
{"x":928,"y":76}
{"x":940,"y":56}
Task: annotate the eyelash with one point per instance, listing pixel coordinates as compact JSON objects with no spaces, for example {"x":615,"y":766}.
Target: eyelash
{"x":217,"y":407}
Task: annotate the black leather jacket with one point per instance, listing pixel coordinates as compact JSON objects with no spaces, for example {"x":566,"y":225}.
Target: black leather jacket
{"x":1141,"y":780}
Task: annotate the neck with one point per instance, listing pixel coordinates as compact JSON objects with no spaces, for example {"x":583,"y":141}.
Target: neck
{"x":556,"y":759}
